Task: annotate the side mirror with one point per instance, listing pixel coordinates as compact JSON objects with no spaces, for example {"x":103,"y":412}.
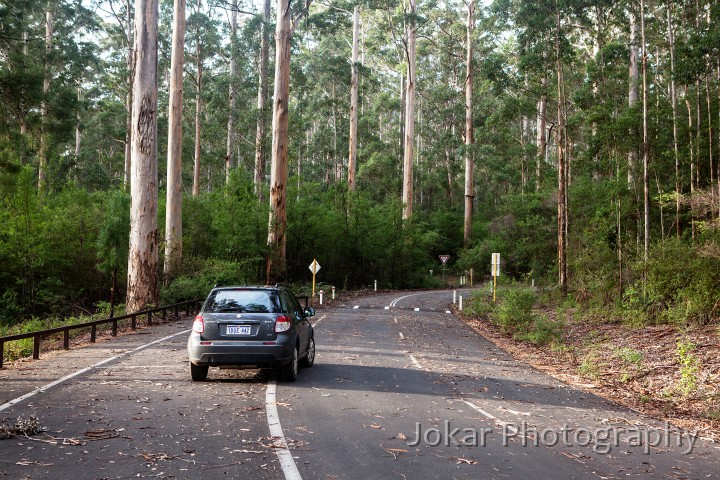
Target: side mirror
{"x":309,"y":312}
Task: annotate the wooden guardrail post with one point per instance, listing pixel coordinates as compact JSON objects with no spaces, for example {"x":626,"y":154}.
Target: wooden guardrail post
{"x":176,"y":310}
{"x":164,"y":310}
{"x":93,"y":333}
{"x":149,"y":321}
{"x":2,"y":353}
{"x":133,"y":322}
{"x":114,"y":328}
{"x":36,"y":347}
{"x":66,"y":339}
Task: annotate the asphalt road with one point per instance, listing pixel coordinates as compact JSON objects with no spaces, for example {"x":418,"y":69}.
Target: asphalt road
{"x":400,"y":389}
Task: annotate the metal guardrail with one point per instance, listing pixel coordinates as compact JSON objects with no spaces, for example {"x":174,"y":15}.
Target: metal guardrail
{"x":133,"y":317}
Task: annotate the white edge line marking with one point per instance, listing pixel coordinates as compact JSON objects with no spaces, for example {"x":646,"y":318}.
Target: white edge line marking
{"x":80,"y":372}
{"x":417,"y":309}
{"x":287,"y":463}
{"x":356,"y":307}
{"x":492,"y":417}
{"x":415,"y":362}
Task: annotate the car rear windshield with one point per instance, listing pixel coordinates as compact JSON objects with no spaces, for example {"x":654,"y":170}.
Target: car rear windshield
{"x":251,"y":301}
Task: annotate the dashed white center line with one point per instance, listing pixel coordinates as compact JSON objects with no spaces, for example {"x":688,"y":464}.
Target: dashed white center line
{"x":356,"y":307}
{"x":509,"y":426}
{"x":387,"y":308}
{"x":415,"y":362}
{"x":416,"y":309}
{"x":402,"y":337}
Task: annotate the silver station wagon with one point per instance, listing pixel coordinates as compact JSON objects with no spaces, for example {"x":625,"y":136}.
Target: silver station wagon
{"x":252,"y":327}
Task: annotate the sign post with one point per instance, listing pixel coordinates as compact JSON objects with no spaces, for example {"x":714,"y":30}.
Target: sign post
{"x":314,"y":268}
{"x":495,"y":271}
{"x":444,"y":259}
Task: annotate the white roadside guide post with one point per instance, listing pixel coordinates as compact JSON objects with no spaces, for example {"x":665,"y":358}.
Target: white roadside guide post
{"x":495,"y":271}
{"x":321,"y":295}
{"x":314,"y":268}
{"x":333,"y":292}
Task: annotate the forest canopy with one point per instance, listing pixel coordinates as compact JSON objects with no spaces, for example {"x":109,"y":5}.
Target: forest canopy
{"x":594,"y":142}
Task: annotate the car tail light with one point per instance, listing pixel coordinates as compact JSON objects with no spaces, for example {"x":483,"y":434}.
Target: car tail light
{"x":282,"y":324}
{"x":198,"y":324}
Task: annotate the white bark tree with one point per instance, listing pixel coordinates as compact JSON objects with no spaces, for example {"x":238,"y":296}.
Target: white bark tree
{"x":230,"y":151}
{"x":352,"y":155}
{"x":173,"y":207}
{"x":259,"y":171}
{"x":142,"y":284}
{"x":198,"y":106}
{"x":469,"y":177}
{"x":409,"y":133}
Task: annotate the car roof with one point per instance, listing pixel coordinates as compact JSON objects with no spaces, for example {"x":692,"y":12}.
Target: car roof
{"x":248,"y":287}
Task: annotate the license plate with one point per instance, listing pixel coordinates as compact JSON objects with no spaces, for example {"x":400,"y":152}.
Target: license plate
{"x":238,"y":329}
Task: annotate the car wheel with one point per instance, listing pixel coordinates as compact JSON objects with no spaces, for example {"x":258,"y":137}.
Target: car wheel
{"x":290,"y":371}
{"x":198,"y":373}
{"x":308,"y":361}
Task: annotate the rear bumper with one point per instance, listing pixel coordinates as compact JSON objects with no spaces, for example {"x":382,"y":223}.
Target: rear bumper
{"x":217,"y":353}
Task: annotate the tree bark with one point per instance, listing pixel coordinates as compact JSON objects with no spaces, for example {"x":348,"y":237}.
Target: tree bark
{"x":278,"y":173}
{"x":352,"y":155}
{"x":173,"y":207}
{"x":129,"y":97}
{"x":230,"y":151}
{"x":259,"y":171}
{"x":469,"y":190}
{"x":541,"y":138}
{"x":633,"y":80}
{"x":407,"y":193}
{"x":645,"y":152}
{"x":142,"y":289}
{"x":44,"y":134}
{"x":198,"y":107}
{"x":673,"y":101}
{"x":562,"y":169}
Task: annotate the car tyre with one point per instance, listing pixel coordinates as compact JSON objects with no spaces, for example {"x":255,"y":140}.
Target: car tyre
{"x":198,"y":373}
{"x":309,"y":360}
{"x":289,"y":372}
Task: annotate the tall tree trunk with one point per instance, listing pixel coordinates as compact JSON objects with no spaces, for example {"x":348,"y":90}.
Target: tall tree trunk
{"x":692,"y":161}
{"x":645,"y":152}
{"x":633,"y":80}
{"x":198,"y":106}
{"x":541,"y":139}
{"x":407,"y":193}
{"x":352,"y":155}
{"x":173,"y":207}
{"x":279,"y":169}
{"x":129,"y":97}
{"x":78,"y":131}
{"x":673,"y":101}
{"x":45,"y":134}
{"x":259,"y":171}
{"x":23,"y":114}
{"x":142,"y":289}
{"x":469,"y":177}
{"x":230,"y":151}
{"x":562,"y":169}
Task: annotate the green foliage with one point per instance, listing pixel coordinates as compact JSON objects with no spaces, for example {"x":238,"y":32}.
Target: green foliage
{"x":514,"y":313}
{"x":689,"y":367}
